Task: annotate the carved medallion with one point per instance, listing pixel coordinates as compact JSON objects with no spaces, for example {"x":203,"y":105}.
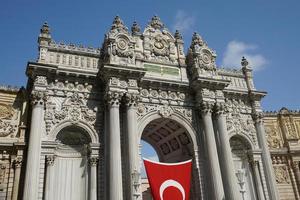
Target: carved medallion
{"x":122,"y":44}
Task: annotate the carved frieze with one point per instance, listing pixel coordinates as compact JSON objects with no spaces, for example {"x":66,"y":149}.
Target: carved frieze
{"x":162,"y":96}
{"x":290,"y":127}
{"x":273,"y":138}
{"x":74,"y":108}
{"x":8,"y":121}
{"x":281,"y":174}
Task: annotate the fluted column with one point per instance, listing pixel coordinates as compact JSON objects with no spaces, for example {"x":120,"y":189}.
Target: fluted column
{"x":217,"y":192}
{"x":34,"y":147}
{"x":49,"y":177}
{"x":131,"y":101}
{"x":266,"y":158}
{"x":18,"y":165}
{"x":93,"y":178}
{"x":114,"y":149}
{"x":297,"y":173}
{"x":228,"y":172}
{"x":258,"y":183}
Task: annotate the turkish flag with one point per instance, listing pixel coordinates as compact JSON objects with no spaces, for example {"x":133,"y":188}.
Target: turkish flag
{"x":169,"y":181}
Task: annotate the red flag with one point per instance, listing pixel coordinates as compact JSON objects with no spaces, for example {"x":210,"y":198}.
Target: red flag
{"x":169,"y":181}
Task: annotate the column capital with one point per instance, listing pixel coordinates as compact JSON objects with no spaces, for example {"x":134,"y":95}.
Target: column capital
{"x":257,"y":116}
{"x":38,"y":98}
{"x":219,"y":108}
{"x":113,"y":98}
{"x":206,"y":107}
{"x":50,"y":160}
{"x":295,"y":165}
{"x":93,"y":161}
{"x":18,"y":162}
{"x":131,"y":99}
{"x":253,"y":162}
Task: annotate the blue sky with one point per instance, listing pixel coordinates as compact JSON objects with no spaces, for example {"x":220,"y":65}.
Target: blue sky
{"x":267,"y":32}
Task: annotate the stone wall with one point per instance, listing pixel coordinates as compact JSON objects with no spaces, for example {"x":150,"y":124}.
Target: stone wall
{"x":12,"y":140}
{"x":282,"y":131}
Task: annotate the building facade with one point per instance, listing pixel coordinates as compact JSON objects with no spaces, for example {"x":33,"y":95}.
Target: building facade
{"x":75,"y":131}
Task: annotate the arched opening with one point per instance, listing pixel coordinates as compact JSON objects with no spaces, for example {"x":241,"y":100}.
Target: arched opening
{"x":166,"y":140}
{"x":244,"y":173}
{"x":71,"y":164}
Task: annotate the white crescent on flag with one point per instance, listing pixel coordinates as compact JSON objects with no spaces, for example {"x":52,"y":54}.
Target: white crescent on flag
{"x":162,"y":176}
{"x":169,"y":183}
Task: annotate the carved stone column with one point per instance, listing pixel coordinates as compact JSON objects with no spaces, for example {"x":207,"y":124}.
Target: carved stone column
{"x":131,"y":101}
{"x":266,"y":158}
{"x":228,"y":172}
{"x":49,"y":177}
{"x":216,"y":192}
{"x":258,"y":183}
{"x":18,"y":164}
{"x":115,"y":188}
{"x":297,"y":173}
{"x":34,"y":147}
{"x":93,"y":178}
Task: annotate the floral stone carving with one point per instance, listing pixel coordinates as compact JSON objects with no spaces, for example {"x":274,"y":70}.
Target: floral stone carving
{"x":74,"y":108}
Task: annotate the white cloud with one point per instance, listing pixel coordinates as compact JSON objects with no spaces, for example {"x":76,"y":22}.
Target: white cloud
{"x":236,"y":50}
{"x":184,"y":22}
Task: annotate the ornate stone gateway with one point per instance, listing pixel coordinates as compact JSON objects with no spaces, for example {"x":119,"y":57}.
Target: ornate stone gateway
{"x":92,"y":107}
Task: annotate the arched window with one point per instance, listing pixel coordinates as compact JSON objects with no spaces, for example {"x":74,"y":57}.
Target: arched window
{"x":71,"y":165}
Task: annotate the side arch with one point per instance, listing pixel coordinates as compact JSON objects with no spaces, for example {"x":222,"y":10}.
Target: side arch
{"x":81,"y":124}
{"x":244,"y":137}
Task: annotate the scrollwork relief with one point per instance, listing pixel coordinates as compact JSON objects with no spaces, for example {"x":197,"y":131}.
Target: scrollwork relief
{"x":73,"y":108}
{"x":6,"y":128}
{"x":164,"y":110}
{"x":241,"y":124}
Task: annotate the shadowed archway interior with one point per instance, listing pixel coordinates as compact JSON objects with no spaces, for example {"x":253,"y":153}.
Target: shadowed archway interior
{"x":170,"y":140}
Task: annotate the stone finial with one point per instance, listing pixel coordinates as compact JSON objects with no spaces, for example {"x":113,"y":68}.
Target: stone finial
{"x":244,"y":62}
{"x":135,"y":29}
{"x":45,"y":36}
{"x":197,"y":40}
{"x":118,"y":24}
{"x":45,"y":29}
{"x":156,"y":22}
{"x":178,"y":35}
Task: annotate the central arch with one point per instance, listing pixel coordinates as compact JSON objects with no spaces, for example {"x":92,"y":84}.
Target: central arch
{"x":174,"y":140}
